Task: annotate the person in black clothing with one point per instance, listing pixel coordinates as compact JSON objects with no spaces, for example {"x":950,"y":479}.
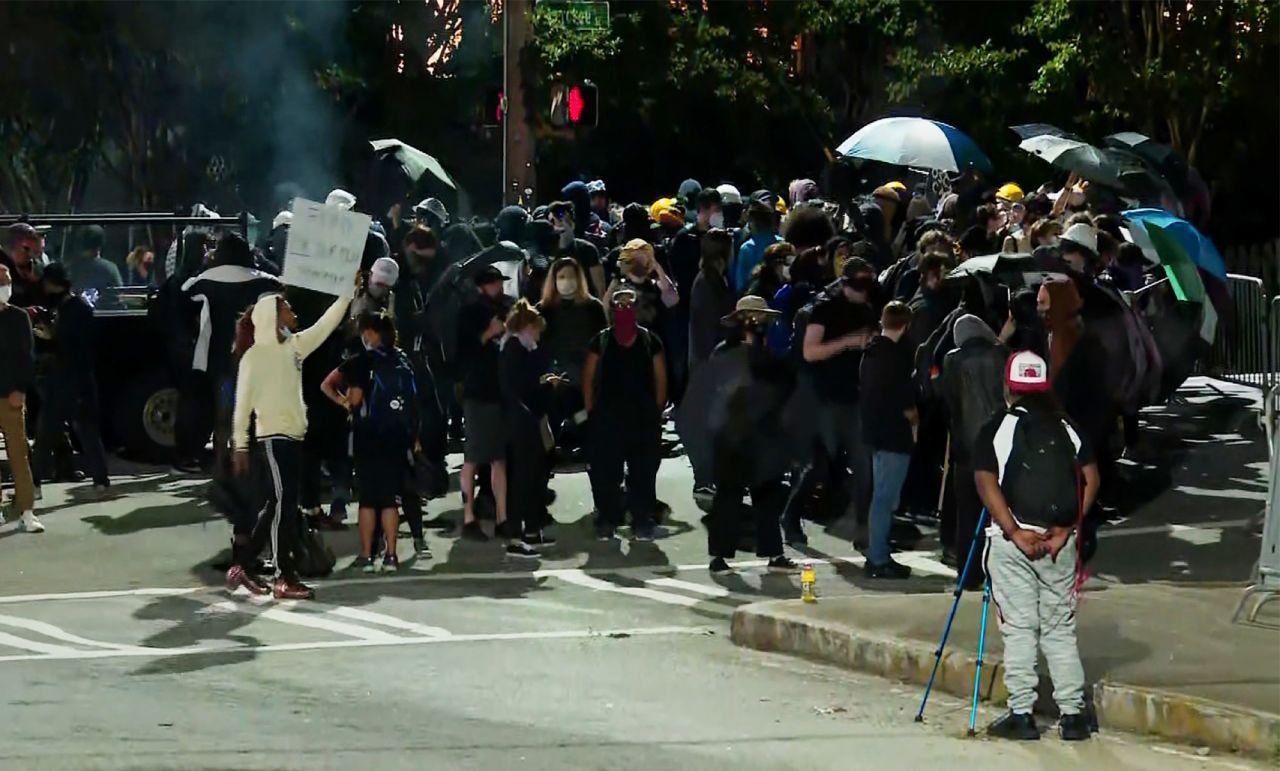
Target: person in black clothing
{"x":929,"y":306}
{"x":21,"y":253}
{"x":526,"y":380}
{"x":773,"y":272}
{"x":710,"y":297}
{"x":973,"y":387}
{"x":17,"y":377}
{"x":376,"y":386}
{"x":839,"y":330}
{"x":684,"y":261}
{"x":480,"y":330}
{"x":573,"y":318}
{"x":752,"y":410}
{"x":70,"y":394}
{"x":222,"y":293}
{"x":889,"y":420}
{"x":624,"y":387}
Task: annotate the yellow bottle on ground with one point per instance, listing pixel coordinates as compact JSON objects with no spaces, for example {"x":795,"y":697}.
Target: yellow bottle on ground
{"x":808,"y":583}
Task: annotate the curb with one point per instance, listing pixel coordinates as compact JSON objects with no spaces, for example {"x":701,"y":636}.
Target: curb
{"x":1185,"y":719}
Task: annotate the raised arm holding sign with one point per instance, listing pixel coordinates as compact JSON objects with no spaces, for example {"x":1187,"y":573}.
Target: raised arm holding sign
{"x":324,"y":247}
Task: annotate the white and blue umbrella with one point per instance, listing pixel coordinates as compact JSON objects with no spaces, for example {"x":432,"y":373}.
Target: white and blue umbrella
{"x":916,"y":142}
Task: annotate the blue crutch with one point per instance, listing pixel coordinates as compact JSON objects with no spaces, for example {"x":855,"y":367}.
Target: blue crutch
{"x":946,"y":632}
{"x":982,"y":646}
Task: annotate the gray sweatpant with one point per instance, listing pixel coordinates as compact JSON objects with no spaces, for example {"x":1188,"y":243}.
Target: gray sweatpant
{"x":1037,"y":609}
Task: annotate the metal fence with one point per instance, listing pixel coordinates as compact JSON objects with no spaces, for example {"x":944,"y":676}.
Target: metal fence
{"x":1247,"y":347}
{"x":1266,"y":584}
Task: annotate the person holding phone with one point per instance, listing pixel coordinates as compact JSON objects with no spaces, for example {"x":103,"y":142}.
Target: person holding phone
{"x":840,"y":327}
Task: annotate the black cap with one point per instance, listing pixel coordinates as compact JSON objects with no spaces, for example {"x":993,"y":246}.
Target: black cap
{"x":489,"y":274}
{"x":856,"y":266}
{"x":21,"y":231}
{"x":56,"y":273}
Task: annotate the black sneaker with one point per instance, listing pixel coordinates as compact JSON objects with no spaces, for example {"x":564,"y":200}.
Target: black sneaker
{"x":605,"y":532}
{"x":782,"y":564}
{"x":1017,"y":726}
{"x":719,"y":567}
{"x":390,"y":563}
{"x":538,"y":538}
{"x":888,"y":569}
{"x":1073,"y":728}
{"x":420,"y":549}
{"x":472,"y":531}
{"x":647,"y":534}
{"x":522,"y":550}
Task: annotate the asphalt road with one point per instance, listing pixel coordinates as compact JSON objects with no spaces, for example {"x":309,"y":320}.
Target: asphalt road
{"x":118,"y":648}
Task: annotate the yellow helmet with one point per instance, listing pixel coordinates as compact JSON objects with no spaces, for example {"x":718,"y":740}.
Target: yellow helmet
{"x":1009,"y":191}
{"x":896,"y":185}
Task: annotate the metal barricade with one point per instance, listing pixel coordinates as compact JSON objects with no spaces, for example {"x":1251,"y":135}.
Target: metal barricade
{"x":1245,"y":350}
{"x":1266,"y":585}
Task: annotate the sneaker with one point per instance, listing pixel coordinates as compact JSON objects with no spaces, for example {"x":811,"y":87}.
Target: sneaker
{"x":420,"y":549}
{"x":390,"y":563}
{"x":363,"y":564}
{"x":782,"y":564}
{"x":704,"y":492}
{"x":237,"y":577}
{"x":472,"y":531}
{"x":890,"y":569}
{"x":286,"y":589}
{"x":185,"y":467}
{"x":605,"y":532}
{"x":2,"y":519}
{"x":719,"y":567}
{"x":794,"y":536}
{"x":101,"y":487}
{"x":313,"y":511}
{"x":647,"y":534}
{"x":1073,"y":728}
{"x":1016,"y":726}
{"x":538,"y":539}
{"x":522,"y":550}
{"x":31,"y":523}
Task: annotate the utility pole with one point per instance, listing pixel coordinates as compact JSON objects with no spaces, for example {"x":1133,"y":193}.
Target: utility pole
{"x":519,"y":182}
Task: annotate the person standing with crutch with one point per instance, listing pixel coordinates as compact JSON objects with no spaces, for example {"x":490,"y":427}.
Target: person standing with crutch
{"x":1029,"y":463}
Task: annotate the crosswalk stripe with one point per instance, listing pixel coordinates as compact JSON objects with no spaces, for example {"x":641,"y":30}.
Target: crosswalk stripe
{"x":689,"y":586}
{"x":53,"y":632}
{"x":14,"y":641}
{"x":389,"y":621}
{"x":315,"y":621}
{"x":579,"y":578}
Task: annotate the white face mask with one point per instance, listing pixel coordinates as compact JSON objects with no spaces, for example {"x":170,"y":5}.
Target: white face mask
{"x":716,"y":220}
{"x":567,"y":286}
{"x":6,"y":292}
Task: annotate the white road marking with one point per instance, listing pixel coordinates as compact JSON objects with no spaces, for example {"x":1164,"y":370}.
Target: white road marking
{"x":13,"y":641}
{"x":284,"y":614}
{"x":689,"y":586}
{"x":1243,"y":495}
{"x":389,"y":621}
{"x":60,"y":654}
{"x":1168,"y":529}
{"x":925,"y":563}
{"x":56,"y":633}
{"x":101,"y":595}
{"x":579,"y":578}
{"x":1196,"y":536}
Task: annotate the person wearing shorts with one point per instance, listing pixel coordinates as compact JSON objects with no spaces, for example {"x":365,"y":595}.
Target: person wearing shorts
{"x":480,"y":332}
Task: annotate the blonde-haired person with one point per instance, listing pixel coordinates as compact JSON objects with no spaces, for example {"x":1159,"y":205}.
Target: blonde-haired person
{"x":572,"y":315}
{"x":638,"y":270}
{"x":140,"y":262}
{"x":526,"y":381}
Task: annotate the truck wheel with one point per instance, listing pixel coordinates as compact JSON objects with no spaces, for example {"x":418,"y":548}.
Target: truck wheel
{"x":145,"y":417}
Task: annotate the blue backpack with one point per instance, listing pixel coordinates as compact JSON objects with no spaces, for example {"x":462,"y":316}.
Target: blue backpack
{"x":389,"y":410}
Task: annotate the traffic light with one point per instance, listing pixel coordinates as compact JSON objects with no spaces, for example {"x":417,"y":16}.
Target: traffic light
{"x":575,"y":104}
{"x":494,"y":108}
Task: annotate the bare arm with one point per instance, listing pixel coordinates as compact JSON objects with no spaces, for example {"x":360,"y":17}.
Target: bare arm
{"x":816,"y":350}
{"x":596,"y":274}
{"x":309,"y":339}
{"x":1030,"y":542}
{"x":660,"y":380}
{"x":330,"y":387}
{"x":1092,"y":484}
{"x":589,"y":381}
{"x":670,"y":294}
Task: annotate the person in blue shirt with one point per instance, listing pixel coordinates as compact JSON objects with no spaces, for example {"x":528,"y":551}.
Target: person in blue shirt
{"x":763,"y":220}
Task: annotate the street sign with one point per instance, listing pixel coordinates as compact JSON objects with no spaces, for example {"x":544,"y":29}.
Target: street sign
{"x":586,"y":14}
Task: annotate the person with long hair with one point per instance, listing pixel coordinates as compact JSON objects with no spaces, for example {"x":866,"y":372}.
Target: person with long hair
{"x":573,"y":317}
{"x":771,"y":274}
{"x":526,"y":388}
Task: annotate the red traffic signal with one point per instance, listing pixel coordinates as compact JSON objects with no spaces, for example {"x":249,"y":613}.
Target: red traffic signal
{"x":574,"y":104}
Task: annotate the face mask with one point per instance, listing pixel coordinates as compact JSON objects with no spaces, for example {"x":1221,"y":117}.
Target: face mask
{"x":285,"y":332}
{"x":716,"y":220}
{"x":6,"y":292}
{"x":624,"y":325}
{"x":378,"y":291}
{"x":527,"y":340}
{"x":567,"y":286}
{"x":368,"y":346}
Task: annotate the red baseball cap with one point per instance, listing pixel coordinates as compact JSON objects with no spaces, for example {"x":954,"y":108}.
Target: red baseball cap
{"x":1026,"y":372}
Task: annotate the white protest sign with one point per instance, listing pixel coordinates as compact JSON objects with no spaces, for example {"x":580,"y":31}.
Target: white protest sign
{"x":324,"y":247}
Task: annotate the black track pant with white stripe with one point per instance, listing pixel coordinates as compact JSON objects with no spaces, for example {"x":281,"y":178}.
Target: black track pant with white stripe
{"x":278,"y":523}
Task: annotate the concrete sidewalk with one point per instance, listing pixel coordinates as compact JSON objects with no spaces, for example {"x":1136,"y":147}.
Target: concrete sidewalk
{"x":1161,"y":659}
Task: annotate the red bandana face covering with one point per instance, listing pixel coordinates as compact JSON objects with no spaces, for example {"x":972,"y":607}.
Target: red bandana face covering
{"x":624,"y":325}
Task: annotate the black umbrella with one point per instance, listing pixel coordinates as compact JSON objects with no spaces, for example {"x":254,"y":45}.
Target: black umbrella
{"x":1029,"y":130}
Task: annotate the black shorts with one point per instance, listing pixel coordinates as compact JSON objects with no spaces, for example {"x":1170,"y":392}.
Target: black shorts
{"x":380,"y":474}
{"x":486,"y":427}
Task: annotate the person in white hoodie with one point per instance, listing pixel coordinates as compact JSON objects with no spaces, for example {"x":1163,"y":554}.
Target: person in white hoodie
{"x":269,"y":388}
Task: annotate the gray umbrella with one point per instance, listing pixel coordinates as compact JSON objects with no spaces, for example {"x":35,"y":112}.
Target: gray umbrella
{"x":1094,"y":164}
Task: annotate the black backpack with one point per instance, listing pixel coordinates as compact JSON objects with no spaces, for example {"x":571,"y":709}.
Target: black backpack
{"x":1042,"y":475}
{"x":312,"y":557}
{"x":800,"y":322}
{"x":388,"y":410}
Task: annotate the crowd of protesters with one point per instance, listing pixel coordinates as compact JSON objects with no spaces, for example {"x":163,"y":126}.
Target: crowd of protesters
{"x":567,"y":333}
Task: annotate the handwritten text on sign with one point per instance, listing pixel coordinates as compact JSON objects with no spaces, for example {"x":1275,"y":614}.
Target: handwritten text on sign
{"x":324,"y":247}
